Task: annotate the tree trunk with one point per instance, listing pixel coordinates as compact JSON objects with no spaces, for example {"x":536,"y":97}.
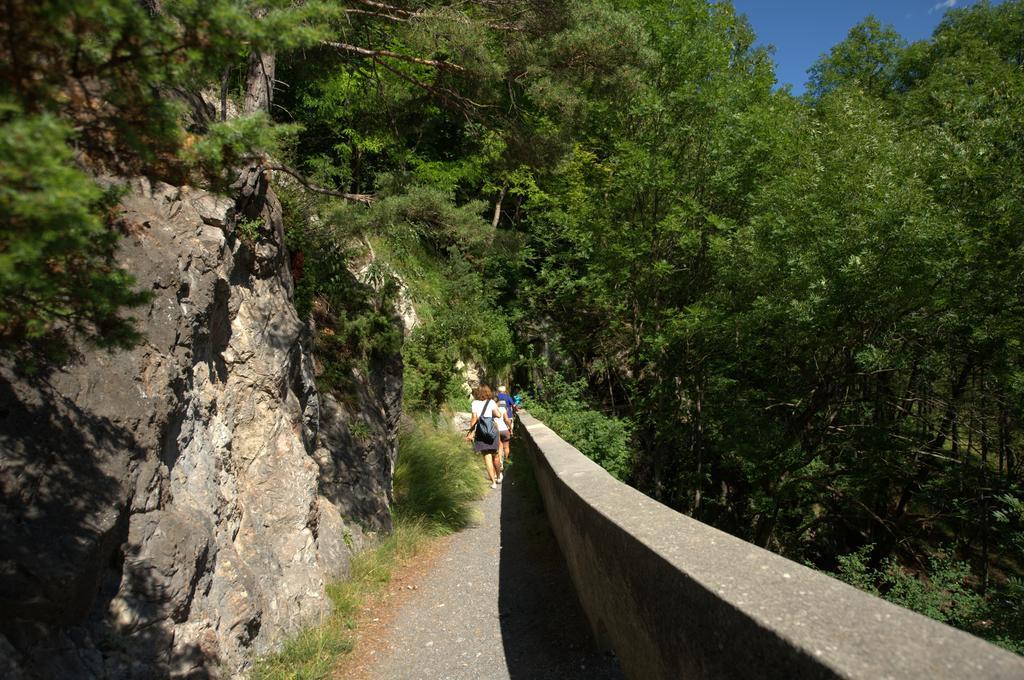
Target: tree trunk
{"x":497,"y":208}
{"x":697,"y":442}
{"x":259,"y":82}
{"x":885,"y":542}
{"x":225,"y":81}
{"x":984,"y":512}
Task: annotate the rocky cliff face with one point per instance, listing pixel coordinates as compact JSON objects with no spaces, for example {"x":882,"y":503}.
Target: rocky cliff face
{"x":174,"y":510}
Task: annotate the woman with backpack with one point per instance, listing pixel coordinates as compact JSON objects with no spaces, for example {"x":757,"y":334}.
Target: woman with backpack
{"x":483,"y":432}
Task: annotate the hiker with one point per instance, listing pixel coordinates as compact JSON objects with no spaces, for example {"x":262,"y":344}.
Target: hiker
{"x":504,"y":434}
{"x":505,"y":399}
{"x":484,"y":406}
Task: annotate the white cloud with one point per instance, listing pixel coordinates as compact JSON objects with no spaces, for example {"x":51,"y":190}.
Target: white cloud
{"x":945,"y":4}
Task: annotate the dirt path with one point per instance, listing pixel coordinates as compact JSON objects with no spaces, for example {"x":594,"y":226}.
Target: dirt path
{"x":493,"y":601}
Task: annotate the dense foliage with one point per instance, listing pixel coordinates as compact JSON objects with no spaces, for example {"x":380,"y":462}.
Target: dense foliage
{"x":808,"y":308}
{"x":799,"y":319}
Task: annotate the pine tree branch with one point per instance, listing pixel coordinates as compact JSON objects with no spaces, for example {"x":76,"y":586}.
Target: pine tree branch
{"x":457,"y":100}
{"x":388,"y":8}
{"x":389,"y":12}
{"x":376,"y":54}
{"x":378,"y":15}
{"x":358,"y":198}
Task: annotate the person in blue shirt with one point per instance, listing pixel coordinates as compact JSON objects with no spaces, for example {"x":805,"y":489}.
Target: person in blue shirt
{"x":506,"y":399}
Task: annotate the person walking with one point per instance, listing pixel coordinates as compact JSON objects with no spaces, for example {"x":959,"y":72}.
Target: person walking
{"x":504,"y":434}
{"x":506,"y":400}
{"x":484,"y":406}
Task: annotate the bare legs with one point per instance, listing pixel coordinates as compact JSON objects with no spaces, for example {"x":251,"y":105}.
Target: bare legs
{"x":494,"y":467}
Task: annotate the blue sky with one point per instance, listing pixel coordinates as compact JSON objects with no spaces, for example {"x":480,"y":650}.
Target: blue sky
{"x":802,"y":30}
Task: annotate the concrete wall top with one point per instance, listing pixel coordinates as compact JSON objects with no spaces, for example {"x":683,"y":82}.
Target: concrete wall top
{"x":676,"y":598}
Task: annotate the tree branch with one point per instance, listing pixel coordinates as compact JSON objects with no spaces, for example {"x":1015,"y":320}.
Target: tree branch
{"x":358,"y":198}
{"x":375,"y":54}
{"x":445,"y":94}
{"x":378,"y":15}
{"x":388,"y":8}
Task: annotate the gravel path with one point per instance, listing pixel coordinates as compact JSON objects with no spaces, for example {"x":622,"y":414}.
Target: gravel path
{"x":497,"y":604}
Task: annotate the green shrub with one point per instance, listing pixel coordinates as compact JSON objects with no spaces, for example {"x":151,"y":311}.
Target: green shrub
{"x":603,"y":439}
{"x":942,"y":592}
{"x":458,"y":327}
{"x":355,"y":322}
{"x":854,"y":569}
{"x":1007,"y":610}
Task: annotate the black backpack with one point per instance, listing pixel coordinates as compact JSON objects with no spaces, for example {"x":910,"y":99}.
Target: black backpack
{"x":486,"y":429}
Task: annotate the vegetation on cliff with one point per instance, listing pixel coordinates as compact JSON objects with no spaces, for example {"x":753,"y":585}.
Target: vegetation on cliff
{"x":799,"y":318}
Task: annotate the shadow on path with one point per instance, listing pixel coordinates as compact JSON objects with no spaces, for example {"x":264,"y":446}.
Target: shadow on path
{"x":543,"y":628}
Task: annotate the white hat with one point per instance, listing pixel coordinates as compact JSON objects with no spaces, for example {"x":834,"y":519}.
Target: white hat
{"x":501,"y":388}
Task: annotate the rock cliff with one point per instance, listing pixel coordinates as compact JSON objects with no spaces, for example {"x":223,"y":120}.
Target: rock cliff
{"x":175,"y":510}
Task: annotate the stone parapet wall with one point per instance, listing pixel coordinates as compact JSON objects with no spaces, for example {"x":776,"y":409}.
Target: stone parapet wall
{"x":675,"y":598}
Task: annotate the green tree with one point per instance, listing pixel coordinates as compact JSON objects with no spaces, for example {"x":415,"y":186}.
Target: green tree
{"x":866,"y":59}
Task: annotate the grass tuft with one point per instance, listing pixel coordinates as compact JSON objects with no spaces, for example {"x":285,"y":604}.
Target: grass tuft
{"x":437,"y":479}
